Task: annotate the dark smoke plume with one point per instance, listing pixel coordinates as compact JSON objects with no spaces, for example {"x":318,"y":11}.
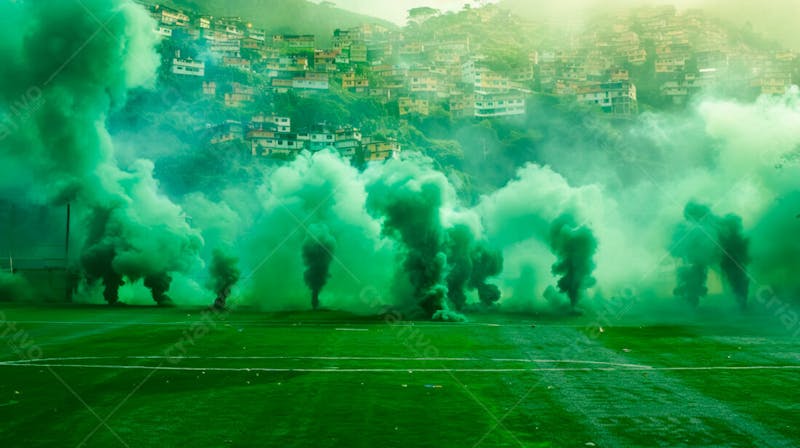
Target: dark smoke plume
{"x":224,"y":275}
{"x":317,"y":257}
{"x":99,"y":254}
{"x":471,"y":263}
{"x":735,"y":257}
{"x":705,"y":240}
{"x":486,"y":262}
{"x":410,"y":204}
{"x":693,"y":244}
{"x":159,"y":285}
{"x":459,"y":258}
{"x":575,"y":247}
{"x":692,"y":282}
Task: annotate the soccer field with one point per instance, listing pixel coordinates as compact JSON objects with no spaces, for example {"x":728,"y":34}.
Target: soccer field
{"x":154,"y":377}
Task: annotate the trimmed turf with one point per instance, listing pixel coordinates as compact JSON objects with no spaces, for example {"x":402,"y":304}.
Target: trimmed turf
{"x":250,"y":379}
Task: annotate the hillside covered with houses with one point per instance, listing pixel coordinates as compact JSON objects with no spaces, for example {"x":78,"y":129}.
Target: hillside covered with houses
{"x":371,"y":91}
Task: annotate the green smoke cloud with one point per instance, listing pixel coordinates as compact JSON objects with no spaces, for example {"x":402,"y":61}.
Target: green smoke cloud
{"x":322,"y":189}
{"x":400,"y":228}
{"x":775,"y":247}
{"x":81,"y":71}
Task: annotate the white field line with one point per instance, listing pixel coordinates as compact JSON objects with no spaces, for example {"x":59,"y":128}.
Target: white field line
{"x":268,"y":323}
{"x":595,"y":365}
{"x":410,"y":371}
{"x":330,"y":358}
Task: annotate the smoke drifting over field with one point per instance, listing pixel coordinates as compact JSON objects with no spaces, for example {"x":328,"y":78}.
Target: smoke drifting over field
{"x":600,"y":209}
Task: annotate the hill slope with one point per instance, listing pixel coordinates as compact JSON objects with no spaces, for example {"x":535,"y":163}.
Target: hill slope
{"x":776,"y":22}
{"x":282,"y":16}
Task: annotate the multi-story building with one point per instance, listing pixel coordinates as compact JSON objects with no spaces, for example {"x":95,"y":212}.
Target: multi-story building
{"x":476,"y":73}
{"x":188,"y":67}
{"x":612,"y":97}
{"x":343,"y":38}
{"x":295,"y":43}
{"x":347,"y":141}
{"x":423,"y":81}
{"x":499,"y":104}
{"x":325,"y":61}
{"x":163,"y":31}
{"x":311,"y":81}
{"x":412,"y":49}
{"x":228,"y":131}
{"x":321,"y":139}
{"x":169,"y":16}
{"x":355,"y":83}
{"x":286,"y":67}
{"x":671,"y":64}
{"x":358,"y":52}
{"x":209,"y":88}
{"x":271,"y":123}
{"x":225,"y":48}
{"x":239,"y":95}
{"x":413,"y":106}
{"x":461,"y":105}
{"x":275,"y":144}
{"x":380,"y":149}
{"x":257,"y":34}
{"x":240,"y":63}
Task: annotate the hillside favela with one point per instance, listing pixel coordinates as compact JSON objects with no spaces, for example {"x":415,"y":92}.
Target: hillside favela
{"x":406,"y":223}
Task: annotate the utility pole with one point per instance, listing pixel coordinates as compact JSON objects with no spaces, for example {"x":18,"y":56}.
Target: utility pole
{"x":67,"y":274}
{"x":12,"y":231}
{"x":66,"y":241}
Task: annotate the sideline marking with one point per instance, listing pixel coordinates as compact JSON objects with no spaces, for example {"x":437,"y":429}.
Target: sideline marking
{"x":332,"y":358}
{"x":296,"y":324}
{"x":594,"y":365}
{"x":406,"y":370}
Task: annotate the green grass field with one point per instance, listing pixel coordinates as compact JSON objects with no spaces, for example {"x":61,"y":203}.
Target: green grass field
{"x":92,"y":376}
